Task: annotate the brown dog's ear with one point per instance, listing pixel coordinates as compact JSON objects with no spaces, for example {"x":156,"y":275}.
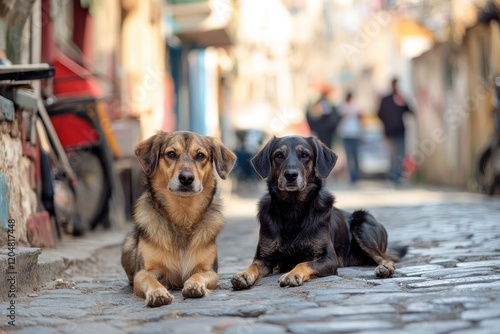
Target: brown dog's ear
{"x":325,"y":158}
{"x":224,"y":158}
{"x":261,"y":162}
{"x":148,"y":153}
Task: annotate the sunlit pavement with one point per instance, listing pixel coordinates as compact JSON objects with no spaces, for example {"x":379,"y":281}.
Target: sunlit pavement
{"x":449,"y":282}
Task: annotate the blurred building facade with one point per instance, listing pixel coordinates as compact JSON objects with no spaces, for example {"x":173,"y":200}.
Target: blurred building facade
{"x":200,"y":34}
{"x":454,"y":86}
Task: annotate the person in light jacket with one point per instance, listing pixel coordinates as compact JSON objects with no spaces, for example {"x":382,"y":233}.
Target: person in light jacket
{"x":350,"y":131}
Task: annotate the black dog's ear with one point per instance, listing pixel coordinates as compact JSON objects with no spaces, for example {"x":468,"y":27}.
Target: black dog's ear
{"x":325,"y":158}
{"x":148,"y":152}
{"x":224,"y":158}
{"x":261,"y":162}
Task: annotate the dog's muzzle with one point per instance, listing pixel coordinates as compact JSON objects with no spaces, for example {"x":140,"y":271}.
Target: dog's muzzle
{"x":185,"y":184}
{"x":291,"y":180}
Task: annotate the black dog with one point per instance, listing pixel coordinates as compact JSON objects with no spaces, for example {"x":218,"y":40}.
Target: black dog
{"x":301,"y":232}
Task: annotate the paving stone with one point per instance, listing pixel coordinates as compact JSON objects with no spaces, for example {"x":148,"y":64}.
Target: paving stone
{"x":330,"y":298}
{"x":437,"y":327}
{"x":24,"y":322}
{"x":85,"y":328}
{"x":482,"y":272}
{"x":384,"y":331}
{"x":479,"y":286}
{"x":349,"y":310}
{"x":417,"y":318}
{"x":36,"y":329}
{"x":377,"y":298}
{"x":338,"y":326}
{"x":460,"y":300}
{"x":476,"y":264}
{"x":481,"y":314}
{"x":454,"y":281}
{"x":71,"y":302}
{"x":255,"y":328}
{"x":405,"y":279}
{"x":63,"y":313}
{"x":491,"y":323}
{"x":445,"y":262}
{"x":211,"y":312}
{"x":477,"y":330}
{"x":286,"y":318}
{"x":253,"y":310}
{"x":356,"y":272}
{"x":457,"y":272}
{"x":425,"y":307}
{"x":201,"y":325}
{"x":419,"y":270}
{"x":285,"y":304}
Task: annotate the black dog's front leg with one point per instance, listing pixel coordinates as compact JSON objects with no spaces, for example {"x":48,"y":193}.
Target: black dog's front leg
{"x":324,"y":266}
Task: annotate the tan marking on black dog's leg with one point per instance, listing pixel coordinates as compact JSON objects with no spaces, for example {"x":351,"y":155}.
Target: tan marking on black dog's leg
{"x":245,"y":279}
{"x":196,"y":286}
{"x":298,"y":275}
{"x":146,"y":285}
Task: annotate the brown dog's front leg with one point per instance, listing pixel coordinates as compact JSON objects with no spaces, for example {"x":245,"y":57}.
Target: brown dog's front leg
{"x":198,"y":284}
{"x":305,"y":270}
{"x":146,"y":285}
{"x":245,"y":279}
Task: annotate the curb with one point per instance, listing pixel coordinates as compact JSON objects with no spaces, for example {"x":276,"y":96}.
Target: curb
{"x":34,"y":266}
{"x":75,"y":252}
{"x":19,"y":271}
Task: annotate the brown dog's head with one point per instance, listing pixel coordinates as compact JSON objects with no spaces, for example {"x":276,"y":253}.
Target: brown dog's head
{"x":294,"y":161}
{"x":182,"y":162}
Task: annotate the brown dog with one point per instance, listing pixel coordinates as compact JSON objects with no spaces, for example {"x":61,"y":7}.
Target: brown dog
{"x":178,"y":217}
{"x":301,"y":233}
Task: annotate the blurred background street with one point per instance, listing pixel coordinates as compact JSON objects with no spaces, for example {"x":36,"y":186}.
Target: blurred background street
{"x":83,"y":82}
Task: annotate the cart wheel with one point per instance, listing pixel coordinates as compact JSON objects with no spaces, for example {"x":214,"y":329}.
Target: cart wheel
{"x":92,"y":189}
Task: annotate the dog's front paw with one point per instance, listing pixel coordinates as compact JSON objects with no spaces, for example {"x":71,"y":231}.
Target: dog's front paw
{"x":385,"y":270}
{"x":242,"y":280}
{"x":193,"y":289}
{"x":289,"y":279}
{"x":158,"y":297}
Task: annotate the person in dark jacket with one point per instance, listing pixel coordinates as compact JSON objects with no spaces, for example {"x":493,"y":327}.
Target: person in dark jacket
{"x":323,"y":118}
{"x":391,"y":111}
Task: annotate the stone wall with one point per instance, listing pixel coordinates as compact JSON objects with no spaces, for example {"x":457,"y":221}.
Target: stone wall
{"x":19,"y":177}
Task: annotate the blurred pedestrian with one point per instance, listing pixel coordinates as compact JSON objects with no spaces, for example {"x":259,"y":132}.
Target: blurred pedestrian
{"x":323,"y":118}
{"x":350,"y":131}
{"x":391,"y":111}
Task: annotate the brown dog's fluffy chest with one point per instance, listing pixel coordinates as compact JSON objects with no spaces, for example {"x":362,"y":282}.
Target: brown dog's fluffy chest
{"x":177,"y":250}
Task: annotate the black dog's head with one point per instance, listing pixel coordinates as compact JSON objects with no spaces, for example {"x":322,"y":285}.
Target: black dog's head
{"x":294,"y":161}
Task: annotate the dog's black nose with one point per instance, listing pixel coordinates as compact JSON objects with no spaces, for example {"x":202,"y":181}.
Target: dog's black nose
{"x":186,"y":178}
{"x":291,"y":174}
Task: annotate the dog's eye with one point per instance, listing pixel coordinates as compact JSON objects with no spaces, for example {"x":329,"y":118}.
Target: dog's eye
{"x":200,"y":156}
{"x":171,"y":155}
{"x":304,"y":155}
{"x":279,"y":155}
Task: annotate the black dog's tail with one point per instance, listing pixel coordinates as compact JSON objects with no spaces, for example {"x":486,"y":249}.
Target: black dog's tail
{"x":361,"y":217}
{"x":396,"y":253}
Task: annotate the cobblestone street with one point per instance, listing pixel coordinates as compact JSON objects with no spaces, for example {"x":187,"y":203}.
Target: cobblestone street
{"x":449,"y":282}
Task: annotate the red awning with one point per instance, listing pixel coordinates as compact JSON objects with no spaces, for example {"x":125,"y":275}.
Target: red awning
{"x":72,"y":79}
